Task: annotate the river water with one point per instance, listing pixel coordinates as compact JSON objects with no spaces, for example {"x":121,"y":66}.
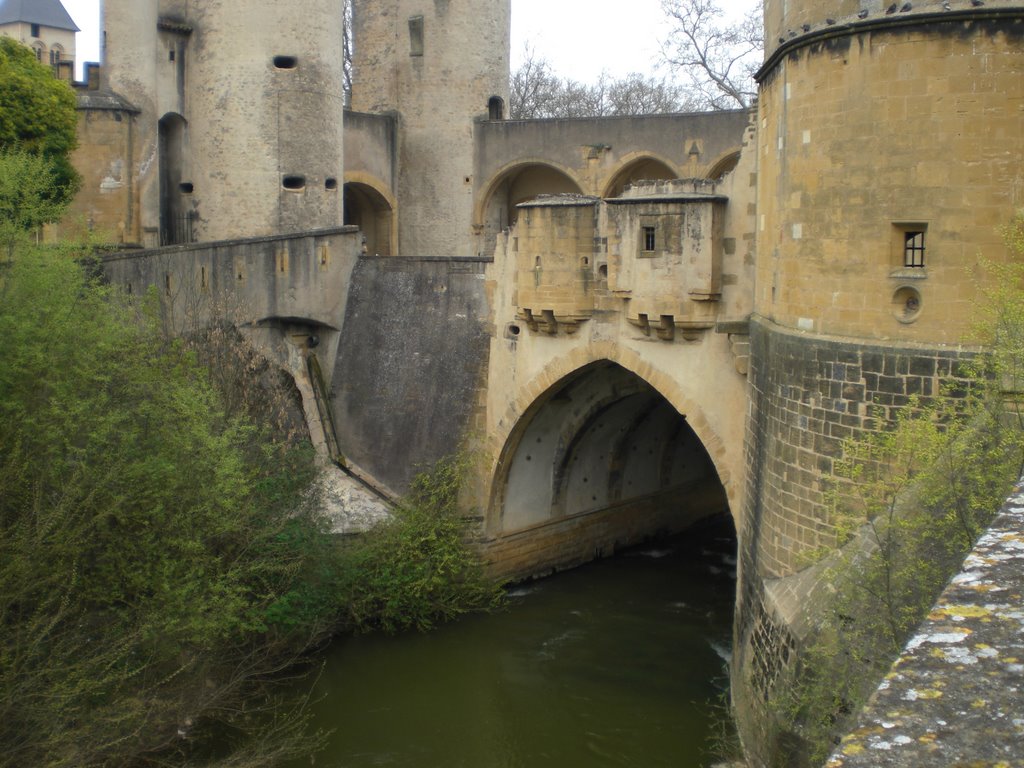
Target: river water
{"x":618,"y":663}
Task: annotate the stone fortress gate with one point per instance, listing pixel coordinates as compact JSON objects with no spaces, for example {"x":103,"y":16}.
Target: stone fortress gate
{"x":633,"y":322}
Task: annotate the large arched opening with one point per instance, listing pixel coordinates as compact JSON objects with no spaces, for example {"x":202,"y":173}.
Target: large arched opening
{"x":600,"y":461}
{"x":643,"y":168}
{"x":522,"y":182}
{"x":368,"y":209}
{"x":175,"y":211}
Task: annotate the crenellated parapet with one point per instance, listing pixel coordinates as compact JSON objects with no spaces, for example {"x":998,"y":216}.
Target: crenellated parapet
{"x":665,"y":256}
{"x":555,"y":273}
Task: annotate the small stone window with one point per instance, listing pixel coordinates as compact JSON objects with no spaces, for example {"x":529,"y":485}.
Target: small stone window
{"x":35,"y":31}
{"x":913,"y":248}
{"x":56,"y":55}
{"x":908,"y":248}
{"x":649,"y":239}
{"x":286,"y":62}
{"x":495,"y":108}
{"x":416,"y":36}
{"x":39,"y":50}
{"x":294,"y":183}
{"x":186,"y":187}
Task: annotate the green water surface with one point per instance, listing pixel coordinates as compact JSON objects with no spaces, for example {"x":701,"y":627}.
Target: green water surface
{"x":618,"y":663}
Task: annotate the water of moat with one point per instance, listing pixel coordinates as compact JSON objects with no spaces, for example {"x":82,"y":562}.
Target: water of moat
{"x":619,"y":663}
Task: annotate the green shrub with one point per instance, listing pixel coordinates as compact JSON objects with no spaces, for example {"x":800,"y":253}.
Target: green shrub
{"x":416,"y":569}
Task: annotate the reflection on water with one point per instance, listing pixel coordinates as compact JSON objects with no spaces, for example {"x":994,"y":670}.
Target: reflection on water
{"x":612,"y":664}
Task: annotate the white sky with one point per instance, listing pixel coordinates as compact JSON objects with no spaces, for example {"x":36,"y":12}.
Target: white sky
{"x":580,"y":38}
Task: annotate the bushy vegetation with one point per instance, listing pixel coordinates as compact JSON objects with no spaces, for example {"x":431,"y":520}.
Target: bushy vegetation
{"x":417,"y":569}
{"x":910,"y":502}
{"x":38,"y":117}
{"x":145,"y":538}
{"x":163,"y":561}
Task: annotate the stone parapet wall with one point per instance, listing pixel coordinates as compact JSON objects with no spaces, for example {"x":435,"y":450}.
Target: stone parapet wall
{"x":953,"y":696}
{"x":809,"y":394}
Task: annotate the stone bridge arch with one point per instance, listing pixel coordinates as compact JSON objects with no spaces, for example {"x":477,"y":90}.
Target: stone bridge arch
{"x":370,"y":205}
{"x":514,"y":183}
{"x":600,"y":449}
{"x":637,"y":166}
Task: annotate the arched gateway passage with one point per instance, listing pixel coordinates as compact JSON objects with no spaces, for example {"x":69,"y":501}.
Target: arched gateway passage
{"x":601,"y":460}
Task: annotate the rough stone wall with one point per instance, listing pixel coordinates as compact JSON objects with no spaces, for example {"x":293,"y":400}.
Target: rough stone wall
{"x":845,"y":331}
{"x":410,"y":365}
{"x":129,"y":69}
{"x":437,"y":64}
{"x":277,"y":289}
{"x":107,"y":205}
{"x":808,"y":394}
{"x":265,"y":105}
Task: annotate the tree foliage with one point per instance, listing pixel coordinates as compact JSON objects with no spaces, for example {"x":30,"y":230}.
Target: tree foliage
{"x":37,"y":115}
{"x":417,"y":569}
{"x":29,"y":196}
{"x":537,"y":92}
{"x":717,"y":60}
{"x":147,"y":541}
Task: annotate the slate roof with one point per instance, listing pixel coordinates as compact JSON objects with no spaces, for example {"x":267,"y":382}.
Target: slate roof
{"x":46,"y":13}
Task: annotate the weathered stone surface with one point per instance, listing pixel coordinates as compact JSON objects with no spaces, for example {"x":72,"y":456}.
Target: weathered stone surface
{"x":955,"y":695}
{"x":411,"y":360}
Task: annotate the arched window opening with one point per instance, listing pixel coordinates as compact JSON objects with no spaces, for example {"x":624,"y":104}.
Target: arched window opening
{"x":495,"y":108}
{"x":176,"y":217}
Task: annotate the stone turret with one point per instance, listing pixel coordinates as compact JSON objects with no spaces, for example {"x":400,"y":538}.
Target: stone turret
{"x":889,"y":146}
{"x":265,"y":118}
{"x":439,"y":64}
{"x":240,"y":126}
{"x":129,"y":69}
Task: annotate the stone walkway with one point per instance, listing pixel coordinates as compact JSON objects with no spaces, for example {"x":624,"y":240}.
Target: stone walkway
{"x":954,"y":698}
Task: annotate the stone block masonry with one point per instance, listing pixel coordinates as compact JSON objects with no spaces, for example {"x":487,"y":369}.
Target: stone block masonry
{"x":411,"y":361}
{"x":809,"y":394}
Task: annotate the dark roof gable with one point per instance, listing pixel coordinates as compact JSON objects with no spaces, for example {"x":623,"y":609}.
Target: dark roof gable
{"x":46,"y":13}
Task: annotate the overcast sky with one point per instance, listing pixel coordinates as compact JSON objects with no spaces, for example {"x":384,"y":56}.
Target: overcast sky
{"x":580,"y":38}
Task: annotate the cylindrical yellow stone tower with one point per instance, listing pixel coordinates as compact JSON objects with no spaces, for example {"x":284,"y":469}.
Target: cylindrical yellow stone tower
{"x":890,"y":138}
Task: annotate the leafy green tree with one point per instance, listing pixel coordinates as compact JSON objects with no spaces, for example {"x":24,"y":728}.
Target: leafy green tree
{"x":29,"y":196}
{"x":37,"y":115}
{"x":149,"y":545}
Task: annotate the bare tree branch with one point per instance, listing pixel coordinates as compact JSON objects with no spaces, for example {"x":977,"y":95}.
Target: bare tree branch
{"x":719,"y":60}
{"x":537,"y":92}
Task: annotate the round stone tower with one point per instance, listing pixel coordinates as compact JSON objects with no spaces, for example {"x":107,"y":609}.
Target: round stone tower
{"x":240,"y":124}
{"x":130,"y":69}
{"x":265,"y":100}
{"x":438,"y":64}
{"x":889,"y":146}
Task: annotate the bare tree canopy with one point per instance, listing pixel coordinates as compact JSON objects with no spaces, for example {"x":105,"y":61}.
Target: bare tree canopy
{"x":717,"y":59}
{"x":537,"y":92}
